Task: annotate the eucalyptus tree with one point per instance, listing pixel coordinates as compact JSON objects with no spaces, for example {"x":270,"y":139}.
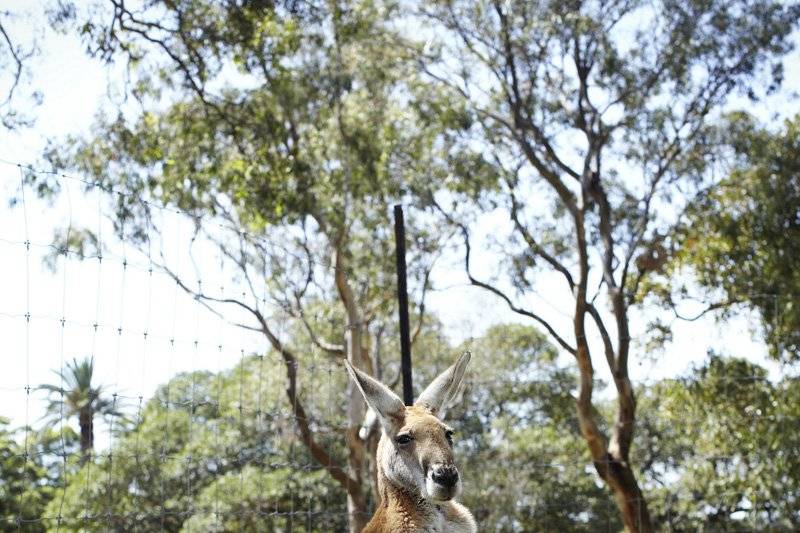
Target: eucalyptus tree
{"x":284,"y":131}
{"x":739,"y":237}
{"x":589,"y":134}
{"x":517,"y":423}
{"x":715,"y":446}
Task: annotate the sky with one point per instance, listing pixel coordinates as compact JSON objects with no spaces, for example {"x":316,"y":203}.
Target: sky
{"x":146,"y":328}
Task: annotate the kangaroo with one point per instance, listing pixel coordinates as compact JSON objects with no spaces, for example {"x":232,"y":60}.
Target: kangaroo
{"x":417,"y":479}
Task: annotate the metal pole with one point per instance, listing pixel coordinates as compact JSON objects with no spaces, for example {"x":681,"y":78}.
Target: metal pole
{"x":402,"y":304}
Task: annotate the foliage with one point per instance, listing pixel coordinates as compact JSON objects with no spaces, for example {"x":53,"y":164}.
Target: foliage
{"x":311,"y":126}
{"x":76,"y":395}
{"x":31,"y":468}
{"x":18,"y":476}
{"x":715,"y":446}
{"x":740,"y":237}
{"x":81,"y":243}
{"x":521,"y":454}
{"x":591,"y":131}
{"x":208,"y":452}
{"x":255,"y":500}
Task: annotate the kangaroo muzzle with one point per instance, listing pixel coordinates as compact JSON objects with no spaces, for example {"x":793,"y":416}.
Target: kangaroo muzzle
{"x":446,"y":476}
{"x":443,"y":482}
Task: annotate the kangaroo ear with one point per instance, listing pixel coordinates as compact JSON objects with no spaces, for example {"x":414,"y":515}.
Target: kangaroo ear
{"x":444,"y":388}
{"x":389,"y":407}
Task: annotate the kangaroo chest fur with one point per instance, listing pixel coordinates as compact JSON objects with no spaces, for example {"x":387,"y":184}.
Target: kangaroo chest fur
{"x":401,"y":513}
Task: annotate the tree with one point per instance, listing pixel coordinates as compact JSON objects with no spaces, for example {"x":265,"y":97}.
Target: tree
{"x":218,"y":452}
{"x":522,"y":459}
{"x":76,"y":396}
{"x":739,"y":237}
{"x":589,"y":133}
{"x":298,"y":154}
{"x":715,"y":448}
{"x":210,"y":452}
{"x":19,"y":504}
{"x":31,"y":471}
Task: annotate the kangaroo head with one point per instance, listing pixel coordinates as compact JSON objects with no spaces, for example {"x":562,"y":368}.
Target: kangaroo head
{"x":415,"y":451}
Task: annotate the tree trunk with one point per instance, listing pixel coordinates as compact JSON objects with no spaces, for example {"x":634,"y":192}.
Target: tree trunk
{"x":630,"y":501}
{"x":372,"y":462}
{"x":86,"y":423}
{"x":611,"y":460}
{"x":628,"y":497}
{"x":356,"y":407}
{"x":612,"y":468}
{"x":357,"y":513}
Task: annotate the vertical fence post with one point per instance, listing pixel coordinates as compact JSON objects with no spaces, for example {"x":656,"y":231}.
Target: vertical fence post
{"x":402,"y":301}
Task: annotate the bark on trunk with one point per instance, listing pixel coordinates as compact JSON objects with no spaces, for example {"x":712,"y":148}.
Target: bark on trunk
{"x":85,"y":421}
{"x":621,"y":479}
{"x":611,"y":459}
{"x":357,"y":513}
{"x":628,"y":497}
{"x":374,"y":433}
{"x":356,"y":409}
{"x":612,"y":466}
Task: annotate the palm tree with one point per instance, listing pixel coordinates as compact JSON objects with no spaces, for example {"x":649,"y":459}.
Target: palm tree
{"x":75,"y":396}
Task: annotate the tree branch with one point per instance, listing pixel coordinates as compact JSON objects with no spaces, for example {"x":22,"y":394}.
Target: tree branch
{"x":521,"y":118}
{"x":531,"y":241}
{"x":467,"y":265}
{"x":17,"y":64}
{"x":711,"y":307}
{"x":291,"y":364}
{"x":333,"y":349}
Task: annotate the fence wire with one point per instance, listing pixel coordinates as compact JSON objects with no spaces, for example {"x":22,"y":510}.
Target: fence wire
{"x":171,"y":366}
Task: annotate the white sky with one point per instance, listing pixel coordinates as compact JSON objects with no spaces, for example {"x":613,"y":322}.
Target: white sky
{"x":74,"y":87}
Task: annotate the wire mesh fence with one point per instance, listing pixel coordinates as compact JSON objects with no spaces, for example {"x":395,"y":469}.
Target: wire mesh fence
{"x":186,"y":418}
{"x":116,"y":308}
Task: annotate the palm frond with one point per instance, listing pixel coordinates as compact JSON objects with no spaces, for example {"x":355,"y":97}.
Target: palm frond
{"x":76,"y":393}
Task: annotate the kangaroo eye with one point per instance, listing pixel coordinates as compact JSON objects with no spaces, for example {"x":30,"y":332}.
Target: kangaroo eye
{"x":403,"y":439}
{"x":449,"y":436}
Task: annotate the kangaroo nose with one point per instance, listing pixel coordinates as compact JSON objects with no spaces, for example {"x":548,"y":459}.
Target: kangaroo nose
{"x":445,"y":475}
